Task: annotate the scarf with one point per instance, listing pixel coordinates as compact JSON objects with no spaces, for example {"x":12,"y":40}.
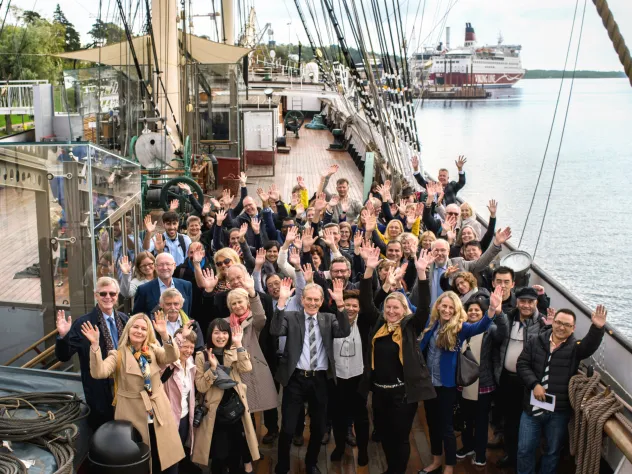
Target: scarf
{"x":237,"y":320}
{"x":389,"y":329}
{"x":143,"y":357}
{"x":105,"y":329}
{"x":202,"y":264}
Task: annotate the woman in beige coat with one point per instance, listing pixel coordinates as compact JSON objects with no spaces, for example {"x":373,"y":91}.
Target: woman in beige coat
{"x":218,"y":375}
{"x":139,"y":395}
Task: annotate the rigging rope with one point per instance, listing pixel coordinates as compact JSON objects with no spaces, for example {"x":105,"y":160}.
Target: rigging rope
{"x":548,"y":141}
{"x":615,"y":36}
{"x":559,"y":149}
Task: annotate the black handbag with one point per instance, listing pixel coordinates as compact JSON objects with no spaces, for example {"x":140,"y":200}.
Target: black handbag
{"x":467,"y":369}
{"x":230,"y":409}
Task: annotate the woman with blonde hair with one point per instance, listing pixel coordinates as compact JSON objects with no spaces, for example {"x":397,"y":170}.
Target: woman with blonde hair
{"x":426,"y":239}
{"x":144,"y":271}
{"x":139,"y":396}
{"x":468,"y":218}
{"x":393,"y":370}
{"x":441,"y":341}
{"x":224,"y":258}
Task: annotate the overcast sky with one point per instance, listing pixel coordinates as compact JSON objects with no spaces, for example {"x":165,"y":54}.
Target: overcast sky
{"x":542,"y":27}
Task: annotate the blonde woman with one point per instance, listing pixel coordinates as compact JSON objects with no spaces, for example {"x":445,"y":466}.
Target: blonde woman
{"x":468,"y":218}
{"x":426,"y":239}
{"x":224,"y":259}
{"x":443,"y":337}
{"x":139,"y":394}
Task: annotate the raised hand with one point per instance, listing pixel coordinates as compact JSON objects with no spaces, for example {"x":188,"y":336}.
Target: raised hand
{"x":336,"y":294}
{"x":255,"y":223}
{"x":286,"y":291}
{"x":209,"y":280}
{"x":212,"y":361}
{"x":263,"y":195}
{"x":187,"y":328}
{"x":91,"y":333}
{"x":308,"y":273}
{"x":415,"y":162}
{"x":496,"y":301}
{"x":370,"y":208}
{"x":243,"y":179}
{"x":290,"y":236}
{"x":215,"y":203}
{"x":160,"y":325}
{"x":227,"y":198}
{"x":333,"y":202}
{"x":301,"y":182}
{"x":185,"y":187}
{"x":294,"y":200}
{"x":550,"y":316}
{"x":198,"y":256}
{"x":450,"y":223}
{"x":401,"y":208}
{"x":237,"y":249}
{"x":150,"y":226}
{"x":333,"y":169}
{"x":159,"y":243}
{"x":294,"y":258}
{"x":453,"y":269}
{"x":237,"y":335}
{"x":260,"y":258}
{"x":300,"y":209}
{"x":502,"y":236}
{"x":328,"y":237}
{"x":243,"y":229}
{"x":124,"y":265}
{"x":308,"y":238}
{"x":321,"y":202}
{"x":373,"y":258}
{"x":599,"y":316}
{"x":63,"y":324}
{"x":460,"y":162}
{"x":206,"y":208}
{"x":174,"y":204}
{"x":492,"y":206}
{"x":422,"y":262}
{"x":367,"y":247}
{"x":370,"y":224}
{"x":357,"y":239}
{"x":273,"y":192}
{"x":249,"y":285}
{"x":220,"y":216}
{"x":298,"y":242}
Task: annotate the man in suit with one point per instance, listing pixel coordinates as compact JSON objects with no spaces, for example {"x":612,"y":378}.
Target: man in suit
{"x":450,"y":188}
{"x":148,"y":294}
{"x":306,"y":364}
{"x":70,"y":341}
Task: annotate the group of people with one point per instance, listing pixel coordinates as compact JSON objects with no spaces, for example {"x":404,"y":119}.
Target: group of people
{"x":329,"y":302}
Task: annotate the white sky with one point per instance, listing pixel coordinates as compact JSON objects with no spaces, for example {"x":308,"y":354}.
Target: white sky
{"x":542,"y":27}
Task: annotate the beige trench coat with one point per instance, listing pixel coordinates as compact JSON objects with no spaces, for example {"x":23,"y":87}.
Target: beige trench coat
{"x":240,"y":363}
{"x":133,"y":402}
{"x":262,"y":394}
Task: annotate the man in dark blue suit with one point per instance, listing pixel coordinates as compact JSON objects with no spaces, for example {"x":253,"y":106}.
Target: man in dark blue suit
{"x":148,"y":295}
{"x":70,"y":341}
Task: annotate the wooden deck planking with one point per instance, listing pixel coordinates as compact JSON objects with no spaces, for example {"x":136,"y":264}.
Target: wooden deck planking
{"x":308,"y":158}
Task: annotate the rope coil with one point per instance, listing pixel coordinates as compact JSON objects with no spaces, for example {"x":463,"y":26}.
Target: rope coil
{"x":590,"y":414}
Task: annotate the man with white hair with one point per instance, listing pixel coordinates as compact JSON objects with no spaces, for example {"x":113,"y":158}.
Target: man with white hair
{"x":171,"y":302}
{"x":442,"y":264}
{"x":70,"y":341}
{"x":148,"y":294}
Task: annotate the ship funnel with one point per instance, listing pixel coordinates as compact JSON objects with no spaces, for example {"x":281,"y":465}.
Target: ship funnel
{"x":447,"y":38}
{"x":470,"y":36}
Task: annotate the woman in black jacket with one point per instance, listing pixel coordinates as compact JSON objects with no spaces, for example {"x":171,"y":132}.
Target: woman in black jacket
{"x":395,"y":371}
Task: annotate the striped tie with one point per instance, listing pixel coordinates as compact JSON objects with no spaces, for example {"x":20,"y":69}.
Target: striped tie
{"x":545,"y":385}
{"x":313,"y":353}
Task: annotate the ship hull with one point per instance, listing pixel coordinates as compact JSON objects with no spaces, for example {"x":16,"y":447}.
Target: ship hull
{"x":487,"y":80}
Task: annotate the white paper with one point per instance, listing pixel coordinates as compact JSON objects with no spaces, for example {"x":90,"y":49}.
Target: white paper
{"x":544,"y":405}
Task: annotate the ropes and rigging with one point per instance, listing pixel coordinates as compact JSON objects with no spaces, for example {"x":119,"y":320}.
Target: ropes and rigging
{"x":615,"y":36}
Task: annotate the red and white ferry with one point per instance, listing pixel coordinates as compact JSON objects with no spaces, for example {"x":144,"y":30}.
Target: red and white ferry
{"x":488,"y":66}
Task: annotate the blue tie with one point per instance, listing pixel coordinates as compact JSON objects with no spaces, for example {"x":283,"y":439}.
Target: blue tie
{"x":113,"y":332}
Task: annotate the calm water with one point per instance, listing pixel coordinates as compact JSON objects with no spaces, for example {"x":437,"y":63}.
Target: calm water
{"x":588,"y":225}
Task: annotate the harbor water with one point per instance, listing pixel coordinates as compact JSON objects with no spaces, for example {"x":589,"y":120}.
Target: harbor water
{"x":584,"y":240}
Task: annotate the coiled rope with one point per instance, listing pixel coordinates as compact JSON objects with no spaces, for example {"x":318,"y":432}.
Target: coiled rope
{"x":589,"y":417}
{"x":52,"y":429}
{"x":615,"y":36}
{"x":10,"y":464}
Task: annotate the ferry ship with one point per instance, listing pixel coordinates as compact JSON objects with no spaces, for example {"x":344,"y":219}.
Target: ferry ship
{"x":488,"y":66}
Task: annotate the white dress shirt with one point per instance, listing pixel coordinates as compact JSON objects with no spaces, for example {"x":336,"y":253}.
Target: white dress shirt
{"x":185,"y":383}
{"x":172,"y":327}
{"x":321,"y":353}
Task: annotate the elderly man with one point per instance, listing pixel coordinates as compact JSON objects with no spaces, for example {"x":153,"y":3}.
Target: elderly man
{"x":148,"y":294}
{"x":250,"y":212}
{"x":545,"y":367}
{"x":171,"y":302}
{"x":307,"y":363}
{"x":70,"y":341}
{"x":450,"y":188}
{"x":441,"y":250}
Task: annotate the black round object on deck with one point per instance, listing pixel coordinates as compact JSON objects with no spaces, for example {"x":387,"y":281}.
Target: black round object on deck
{"x":117,"y":447}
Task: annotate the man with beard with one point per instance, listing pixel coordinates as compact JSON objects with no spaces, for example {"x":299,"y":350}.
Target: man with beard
{"x":171,"y":302}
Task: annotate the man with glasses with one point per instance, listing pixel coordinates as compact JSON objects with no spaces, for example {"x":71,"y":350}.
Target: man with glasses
{"x":525,"y":322}
{"x":545,"y":367}
{"x":70,"y":341}
{"x":148,"y":294}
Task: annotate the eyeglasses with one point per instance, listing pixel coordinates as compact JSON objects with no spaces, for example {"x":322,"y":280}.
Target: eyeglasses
{"x":103,"y":294}
{"x":165,"y":265}
{"x":147,"y":265}
{"x":565,"y":325}
{"x":224,"y":263}
{"x":453,"y":213}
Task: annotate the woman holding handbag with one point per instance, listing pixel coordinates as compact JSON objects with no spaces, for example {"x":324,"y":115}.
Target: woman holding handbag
{"x":476,"y":398}
{"x":441,"y":344}
{"x":225,"y":434}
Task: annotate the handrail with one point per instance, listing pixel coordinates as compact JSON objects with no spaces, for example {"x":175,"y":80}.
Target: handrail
{"x":39,"y":357}
{"x":31,"y":347}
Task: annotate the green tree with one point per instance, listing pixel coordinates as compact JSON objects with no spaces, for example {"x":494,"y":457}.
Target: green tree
{"x":31,"y":17}
{"x":72,"y":40}
{"x":106,"y":33}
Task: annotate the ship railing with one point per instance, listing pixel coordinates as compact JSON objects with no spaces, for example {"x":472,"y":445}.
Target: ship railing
{"x":42,"y":357}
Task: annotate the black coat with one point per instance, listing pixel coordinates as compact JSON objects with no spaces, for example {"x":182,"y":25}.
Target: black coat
{"x":201,"y":308}
{"x":98,"y":393}
{"x":417,"y":381}
{"x":449,"y":192}
{"x":564,"y":364}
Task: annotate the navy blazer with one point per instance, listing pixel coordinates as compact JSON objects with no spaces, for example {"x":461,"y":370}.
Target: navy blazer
{"x":98,"y":393}
{"x":148,"y":296}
